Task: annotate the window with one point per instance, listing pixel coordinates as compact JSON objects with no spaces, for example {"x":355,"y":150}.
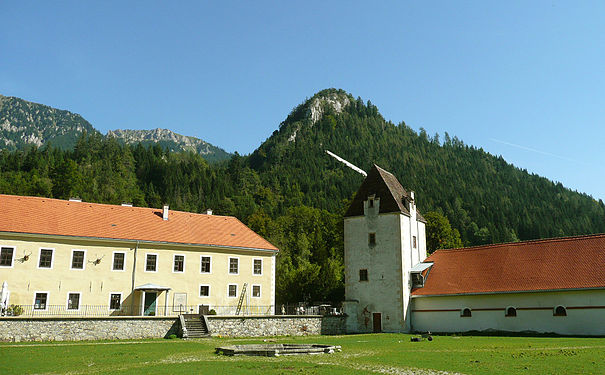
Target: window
{"x":179,"y":263}
{"x":234,"y":265}
{"x":257,"y":267}
{"x":371,"y":203}
{"x":204,"y":290}
{"x":46,"y":258}
{"x":151,"y":263}
{"x":466,"y":313}
{"x":205,"y":264}
{"x":256,"y":291}
{"x":77,"y":259}
{"x":510,"y":312}
{"x":115,"y":301}
{"x":73,"y":301}
{"x":232,"y":290}
{"x":414,"y":245}
{"x":6,"y":256}
{"x":363,"y":275}
{"x":417,"y":280}
{"x":40,"y":301}
{"x":559,"y":311}
{"x":372,"y":239}
{"x":118,"y":261}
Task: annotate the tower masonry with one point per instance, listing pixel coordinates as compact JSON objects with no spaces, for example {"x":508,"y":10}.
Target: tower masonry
{"x":384,"y":238}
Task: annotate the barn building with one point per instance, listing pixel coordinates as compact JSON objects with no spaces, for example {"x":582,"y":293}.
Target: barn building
{"x":544,"y":286}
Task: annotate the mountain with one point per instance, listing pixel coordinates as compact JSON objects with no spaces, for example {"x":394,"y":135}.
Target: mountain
{"x":25,"y":123}
{"x":487,"y":199}
{"x":171,"y":141}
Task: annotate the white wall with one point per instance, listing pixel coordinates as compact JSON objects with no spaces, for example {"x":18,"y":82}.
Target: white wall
{"x":538,"y":317}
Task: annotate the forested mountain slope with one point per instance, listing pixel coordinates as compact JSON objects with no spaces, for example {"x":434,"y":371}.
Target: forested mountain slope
{"x":485,"y":198}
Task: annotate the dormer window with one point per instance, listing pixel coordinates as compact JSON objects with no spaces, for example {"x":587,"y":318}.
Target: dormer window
{"x":419,"y":273}
{"x":417,"y":280}
{"x":371,"y":202}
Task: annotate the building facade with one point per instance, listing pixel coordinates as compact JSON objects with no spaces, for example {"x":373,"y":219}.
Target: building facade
{"x":543,"y":286}
{"x":75,"y":258}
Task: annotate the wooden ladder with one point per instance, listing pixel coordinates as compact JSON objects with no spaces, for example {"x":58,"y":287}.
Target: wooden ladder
{"x":241,"y":299}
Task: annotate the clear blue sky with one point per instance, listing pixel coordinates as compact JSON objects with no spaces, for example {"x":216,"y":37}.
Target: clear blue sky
{"x":525,"y":80}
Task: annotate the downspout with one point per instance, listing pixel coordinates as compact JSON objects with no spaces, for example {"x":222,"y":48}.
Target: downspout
{"x":134,"y":269}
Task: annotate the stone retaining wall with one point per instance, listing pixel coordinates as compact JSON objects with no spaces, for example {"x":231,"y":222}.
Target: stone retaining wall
{"x":280,"y":325}
{"x":74,"y":329}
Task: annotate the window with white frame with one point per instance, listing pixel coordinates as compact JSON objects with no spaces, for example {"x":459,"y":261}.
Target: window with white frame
{"x":73,"y":301}
{"x":205,"y":262}
{"x":257,"y":267}
{"x":40,"y":300}
{"x":151,"y":261}
{"x":232,"y":292}
{"x":204,"y":290}
{"x":179,"y":263}
{"x":7,"y":256}
{"x":77,"y":259}
{"x":118,"y":261}
{"x":115,"y":301}
{"x":46,"y":258}
{"x":256,"y":291}
{"x":234,"y":265}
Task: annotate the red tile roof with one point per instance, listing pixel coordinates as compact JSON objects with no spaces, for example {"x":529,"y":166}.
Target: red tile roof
{"x":66,"y":218}
{"x":551,"y":264}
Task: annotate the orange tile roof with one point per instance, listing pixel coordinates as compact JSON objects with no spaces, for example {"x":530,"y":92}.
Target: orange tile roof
{"x":66,"y":218}
{"x":551,"y":264}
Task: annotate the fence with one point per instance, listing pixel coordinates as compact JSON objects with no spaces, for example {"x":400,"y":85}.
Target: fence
{"x":127,"y":310}
{"x":308,"y":309}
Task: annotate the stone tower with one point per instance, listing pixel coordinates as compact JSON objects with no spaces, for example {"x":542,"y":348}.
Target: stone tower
{"x":384,"y":237}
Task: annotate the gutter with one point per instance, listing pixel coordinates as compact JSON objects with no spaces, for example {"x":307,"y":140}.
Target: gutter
{"x":509,"y":292}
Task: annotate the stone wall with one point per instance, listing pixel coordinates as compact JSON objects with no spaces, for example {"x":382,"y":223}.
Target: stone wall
{"x":280,"y":325}
{"x":74,"y":329}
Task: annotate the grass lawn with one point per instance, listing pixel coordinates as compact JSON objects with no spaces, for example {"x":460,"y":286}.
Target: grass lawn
{"x":361,"y":354}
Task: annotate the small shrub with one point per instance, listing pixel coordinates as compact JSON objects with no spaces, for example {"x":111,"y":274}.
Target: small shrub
{"x":212,"y":312}
{"x":172,"y":337}
{"x":14,"y":310}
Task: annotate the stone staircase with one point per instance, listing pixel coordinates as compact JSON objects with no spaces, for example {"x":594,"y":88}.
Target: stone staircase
{"x":193,"y":325}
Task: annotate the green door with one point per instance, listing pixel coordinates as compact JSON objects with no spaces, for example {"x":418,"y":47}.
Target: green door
{"x":149,"y":305}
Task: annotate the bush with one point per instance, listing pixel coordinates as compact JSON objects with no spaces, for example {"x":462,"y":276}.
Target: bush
{"x":172,"y":337}
{"x":212,"y":312}
{"x":14,"y":310}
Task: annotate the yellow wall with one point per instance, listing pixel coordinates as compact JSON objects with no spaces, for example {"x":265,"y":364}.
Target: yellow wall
{"x":97,"y":281}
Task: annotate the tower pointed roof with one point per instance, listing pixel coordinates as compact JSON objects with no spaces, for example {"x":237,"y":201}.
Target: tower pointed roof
{"x":384,"y":185}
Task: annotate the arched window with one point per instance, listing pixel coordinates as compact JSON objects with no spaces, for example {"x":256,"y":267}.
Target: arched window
{"x":510,"y":311}
{"x":559,"y":311}
{"x":466,"y":312}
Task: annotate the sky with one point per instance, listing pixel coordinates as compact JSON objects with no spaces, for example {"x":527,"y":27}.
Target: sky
{"x":521,"y":79}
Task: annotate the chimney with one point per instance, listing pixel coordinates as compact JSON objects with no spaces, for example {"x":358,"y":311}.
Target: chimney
{"x":75,"y":199}
{"x":208,"y":211}
{"x":412,"y":201}
{"x":165,"y":214}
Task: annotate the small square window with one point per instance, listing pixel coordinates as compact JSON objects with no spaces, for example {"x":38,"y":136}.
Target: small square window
{"x":417,"y":280}
{"x":46,"y":258}
{"x":6,"y":256}
{"x":510,"y":312}
{"x":204,"y":290}
{"x":232,"y":290}
{"x":115,"y":301}
{"x":151,"y":263}
{"x":73,"y":301}
{"x":40,"y":301}
{"x":179,"y":263}
{"x":363,"y":275}
{"x":118,"y":261}
{"x":256,"y":291}
{"x":77,"y":259}
{"x":466,"y":313}
{"x":258,"y":266}
{"x":560,"y":311}
{"x":372,"y":239}
{"x":205,"y":265}
{"x":233,"y":265}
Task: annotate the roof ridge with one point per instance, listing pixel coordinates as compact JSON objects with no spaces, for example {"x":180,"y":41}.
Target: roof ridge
{"x":109,"y":205}
{"x":541,"y":240}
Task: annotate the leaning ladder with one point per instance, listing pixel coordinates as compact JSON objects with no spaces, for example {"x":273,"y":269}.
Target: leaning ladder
{"x":241,"y":299}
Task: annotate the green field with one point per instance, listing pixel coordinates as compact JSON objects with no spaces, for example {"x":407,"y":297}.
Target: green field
{"x":361,"y":354}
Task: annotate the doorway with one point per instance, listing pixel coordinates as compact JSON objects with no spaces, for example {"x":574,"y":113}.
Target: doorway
{"x":149,"y":303}
{"x":377,"y":322}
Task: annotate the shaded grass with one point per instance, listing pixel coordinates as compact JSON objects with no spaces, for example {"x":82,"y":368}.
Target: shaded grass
{"x":361,"y":354}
